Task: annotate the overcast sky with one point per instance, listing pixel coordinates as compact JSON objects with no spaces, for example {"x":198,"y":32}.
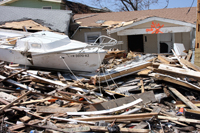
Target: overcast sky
{"x":160,"y":5}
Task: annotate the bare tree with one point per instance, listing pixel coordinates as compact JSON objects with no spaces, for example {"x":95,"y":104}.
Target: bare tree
{"x":130,"y":5}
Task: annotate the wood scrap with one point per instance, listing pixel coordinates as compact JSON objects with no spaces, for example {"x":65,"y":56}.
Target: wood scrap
{"x":58,"y":101}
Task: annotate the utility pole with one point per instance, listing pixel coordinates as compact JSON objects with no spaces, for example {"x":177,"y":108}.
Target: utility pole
{"x":197,"y":43}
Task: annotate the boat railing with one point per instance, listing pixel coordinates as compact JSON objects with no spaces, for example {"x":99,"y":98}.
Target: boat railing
{"x":104,"y":41}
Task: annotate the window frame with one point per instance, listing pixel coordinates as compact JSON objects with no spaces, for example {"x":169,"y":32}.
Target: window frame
{"x":86,"y":34}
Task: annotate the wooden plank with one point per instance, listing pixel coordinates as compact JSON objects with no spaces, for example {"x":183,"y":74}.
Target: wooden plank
{"x":189,"y":55}
{"x":33,"y":101}
{"x":15,"y":127}
{"x":197,"y":39}
{"x":53,"y":110}
{"x":179,"y":71}
{"x":175,"y":81}
{"x":185,"y":100}
{"x":131,"y":117}
{"x":190,"y":65}
{"x":24,"y":119}
{"x":65,"y":130}
{"x":10,"y":104}
{"x":142,"y":85}
{"x":181,"y":104}
{"x":125,"y":72}
{"x":182,"y":119}
{"x":165,"y":59}
{"x":193,"y":114}
{"x":197,"y":56}
{"x":3,"y":101}
{"x":7,"y":97}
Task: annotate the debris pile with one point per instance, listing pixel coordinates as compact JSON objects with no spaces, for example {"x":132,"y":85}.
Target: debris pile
{"x":129,"y":93}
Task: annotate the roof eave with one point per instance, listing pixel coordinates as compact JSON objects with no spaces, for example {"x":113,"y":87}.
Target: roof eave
{"x":114,"y":30}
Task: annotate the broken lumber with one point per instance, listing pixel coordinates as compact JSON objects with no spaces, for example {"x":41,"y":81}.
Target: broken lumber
{"x":184,"y":99}
{"x":174,"y":80}
{"x":53,"y":110}
{"x":10,"y":104}
{"x":107,"y":111}
{"x":120,"y":118}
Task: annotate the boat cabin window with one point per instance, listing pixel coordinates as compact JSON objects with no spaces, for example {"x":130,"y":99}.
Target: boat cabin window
{"x":36,"y":45}
{"x":90,"y":37}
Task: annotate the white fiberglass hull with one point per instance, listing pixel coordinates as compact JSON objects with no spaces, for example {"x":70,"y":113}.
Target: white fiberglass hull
{"x":45,"y":49}
{"x":78,"y":61}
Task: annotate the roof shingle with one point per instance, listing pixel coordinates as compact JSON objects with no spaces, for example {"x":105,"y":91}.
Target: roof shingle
{"x":179,"y":14}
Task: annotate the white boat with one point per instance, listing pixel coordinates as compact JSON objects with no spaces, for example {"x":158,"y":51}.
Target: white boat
{"x":50,"y":50}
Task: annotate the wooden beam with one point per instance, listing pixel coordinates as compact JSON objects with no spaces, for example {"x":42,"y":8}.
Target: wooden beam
{"x":53,"y":110}
{"x":190,"y":65}
{"x":130,"y":117}
{"x":124,"y":71}
{"x":184,"y":99}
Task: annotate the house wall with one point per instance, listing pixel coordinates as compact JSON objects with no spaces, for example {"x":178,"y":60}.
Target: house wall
{"x":150,"y":45}
{"x":184,"y":38}
{"x":34,"y":4}
{"x":80,"y":36}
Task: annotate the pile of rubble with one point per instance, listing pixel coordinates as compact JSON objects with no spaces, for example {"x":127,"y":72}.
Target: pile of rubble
{"x":139,"y":93}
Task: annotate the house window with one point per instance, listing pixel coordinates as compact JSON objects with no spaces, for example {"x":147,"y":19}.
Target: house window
{"x":90,"y":37}
{"x":47,"y":7}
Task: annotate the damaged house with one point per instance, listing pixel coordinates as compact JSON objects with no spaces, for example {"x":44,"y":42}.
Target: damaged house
{"x":148,"y":31}
{"x":35,"y":19}
{"x":29,"y":13}
{"x":53,"y":4}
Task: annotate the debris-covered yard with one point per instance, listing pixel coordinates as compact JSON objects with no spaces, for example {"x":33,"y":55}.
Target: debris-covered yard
{"x":129,"y":93}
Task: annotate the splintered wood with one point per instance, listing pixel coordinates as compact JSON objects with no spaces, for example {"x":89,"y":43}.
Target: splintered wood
{"x":130,"y":92}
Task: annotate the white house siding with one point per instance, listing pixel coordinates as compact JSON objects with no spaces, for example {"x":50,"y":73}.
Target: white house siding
{"x":148,"y":25}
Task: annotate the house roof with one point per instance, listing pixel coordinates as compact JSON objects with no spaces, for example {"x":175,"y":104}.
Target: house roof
{"x":57,"y":20}
{"x":77,"y":7}
{"x":11,"y":1}
{"x":113,"y":18}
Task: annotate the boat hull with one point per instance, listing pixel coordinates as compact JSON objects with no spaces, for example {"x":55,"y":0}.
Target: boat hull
{"x":76,"y":61}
